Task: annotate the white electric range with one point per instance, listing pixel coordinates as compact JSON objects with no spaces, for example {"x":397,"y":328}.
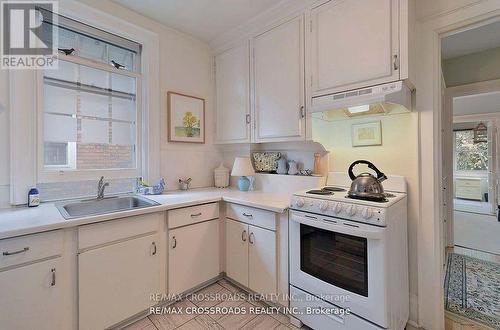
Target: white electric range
{"x":349,"y":257}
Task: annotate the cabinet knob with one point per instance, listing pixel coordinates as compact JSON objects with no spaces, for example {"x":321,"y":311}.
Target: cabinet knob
{"x":250,"y":240}
{"x":195,"y":215}
{"x":174,"y":242}
{"x":244,"y":236}
{"x":247,"y":118}
{"x":154,"y":249}
{"x":248,"y":215}
{"x":302,"y":113}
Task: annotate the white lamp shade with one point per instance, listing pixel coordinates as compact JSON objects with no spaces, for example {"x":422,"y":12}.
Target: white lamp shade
{"x":242,"y":167}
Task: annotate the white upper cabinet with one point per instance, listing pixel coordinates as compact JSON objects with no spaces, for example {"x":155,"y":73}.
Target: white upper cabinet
{"x":233,"y":95}
{"x":354,"y":44}
{"x":278,"y":83}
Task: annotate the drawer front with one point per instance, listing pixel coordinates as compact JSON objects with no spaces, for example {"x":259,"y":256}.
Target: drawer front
{"x":194,"y":214}
{"x":18,"y":250}
{"x":320,"y":315}
{"x":251,"y":215}
{"x":115,"y":230}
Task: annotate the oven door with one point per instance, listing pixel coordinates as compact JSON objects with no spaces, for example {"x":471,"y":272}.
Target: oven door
{"x":340,"y":261}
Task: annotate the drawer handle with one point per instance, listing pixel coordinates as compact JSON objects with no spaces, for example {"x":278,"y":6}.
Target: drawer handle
{"x":195,"y":215}
{"x":53,"y":271}
{"x":244,"y":236}
{"x":7,"y":253}
{"x":174,"y":242}
{"x":250,"y":238}
{"x":247,"y":215}
{"x":154,"y":248}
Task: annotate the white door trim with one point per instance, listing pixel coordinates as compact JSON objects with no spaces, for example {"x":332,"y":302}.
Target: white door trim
{"x":428,"y":104}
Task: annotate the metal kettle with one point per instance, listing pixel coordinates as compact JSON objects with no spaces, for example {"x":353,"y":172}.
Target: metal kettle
{"x":365,"y":185}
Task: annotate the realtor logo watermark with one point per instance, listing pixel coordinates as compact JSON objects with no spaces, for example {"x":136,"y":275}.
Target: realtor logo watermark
{"x":26,"y":43}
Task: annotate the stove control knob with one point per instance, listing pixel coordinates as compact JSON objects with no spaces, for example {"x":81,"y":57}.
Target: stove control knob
{"x":300,"y":202}
{"x":338,"y":208}
{"x":367,"y":213}
{"x":323,"y":206}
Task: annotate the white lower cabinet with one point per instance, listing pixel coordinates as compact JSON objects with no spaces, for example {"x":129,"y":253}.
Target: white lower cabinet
{"x":193,"y":256}
{"x":251,"y":256}
{"x":115,"y":281}
{"x":31,"y":297}
{"x":261,"y":260}
{"x":237,"y":251}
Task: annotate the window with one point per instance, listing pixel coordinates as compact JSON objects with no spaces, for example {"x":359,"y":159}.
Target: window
{"x":469,"y":156}
{"x":90,"y":114}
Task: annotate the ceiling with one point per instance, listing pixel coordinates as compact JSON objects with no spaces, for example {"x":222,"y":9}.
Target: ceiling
{"x":471,"y":41}
{"x":204,"y":19}
{"x":476,"y":104}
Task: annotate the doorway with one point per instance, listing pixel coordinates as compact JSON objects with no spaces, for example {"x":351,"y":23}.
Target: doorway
{"x":470,"y":122}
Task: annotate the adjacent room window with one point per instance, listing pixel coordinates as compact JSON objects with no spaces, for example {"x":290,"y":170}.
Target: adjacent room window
{"x":91,"y":117}
{"x":469,"y":156}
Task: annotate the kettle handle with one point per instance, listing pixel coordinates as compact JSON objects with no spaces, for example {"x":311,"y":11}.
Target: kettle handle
{"x":380,"y":176}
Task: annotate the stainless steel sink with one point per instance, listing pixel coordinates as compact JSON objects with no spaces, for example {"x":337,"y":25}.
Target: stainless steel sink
{"x":88,"y":207}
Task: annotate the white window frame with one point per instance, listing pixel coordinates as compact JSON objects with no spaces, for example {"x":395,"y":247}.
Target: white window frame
{"x":467,"y":172}
{"x":23,"y":98}
{"x":50,"y":174}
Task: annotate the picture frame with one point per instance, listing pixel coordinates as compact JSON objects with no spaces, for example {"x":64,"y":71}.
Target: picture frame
{"x":185,"y":118}
{"x":367,"y":134}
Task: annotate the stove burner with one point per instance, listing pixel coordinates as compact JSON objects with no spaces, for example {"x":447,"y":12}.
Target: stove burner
{"x":319,"y":192}
{"x":376,"y":200}
{"x":331,"y":188}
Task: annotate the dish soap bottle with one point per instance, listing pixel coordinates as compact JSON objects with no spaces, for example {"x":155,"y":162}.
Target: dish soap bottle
{"x":33,"y":197}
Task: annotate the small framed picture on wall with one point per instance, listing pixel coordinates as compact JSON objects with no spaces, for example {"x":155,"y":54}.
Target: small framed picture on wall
{"x":186,"y":118}
{"x":367,"y":134}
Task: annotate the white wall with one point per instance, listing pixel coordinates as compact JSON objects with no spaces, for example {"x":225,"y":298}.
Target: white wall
{"x":427,"y":9}
{"x":472,"y":68}
{"x":398,"y":155}
{"x":4,"y":138}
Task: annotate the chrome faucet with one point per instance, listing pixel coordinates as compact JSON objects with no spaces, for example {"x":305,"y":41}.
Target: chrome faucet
{"x":100,"y":188}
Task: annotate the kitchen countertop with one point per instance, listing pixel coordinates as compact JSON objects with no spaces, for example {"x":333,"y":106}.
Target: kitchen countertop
{"x":18,"y":221}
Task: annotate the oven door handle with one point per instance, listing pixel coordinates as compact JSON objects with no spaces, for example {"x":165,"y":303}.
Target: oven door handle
{"x":358,"y":231}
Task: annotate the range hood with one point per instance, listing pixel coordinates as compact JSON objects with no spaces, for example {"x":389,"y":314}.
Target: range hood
{"x":386,"y":98}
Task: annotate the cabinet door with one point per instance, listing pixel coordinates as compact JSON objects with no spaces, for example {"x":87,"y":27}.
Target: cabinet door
{"x":237,"y":251}
{"x":193,"y":256}
{"x":353,"y":44}
{"x":262,"y":260}
{"x":31,"y":296}
{"x":116,"y":281}
{"x":279,"y":83}
{"x":232,"y":77}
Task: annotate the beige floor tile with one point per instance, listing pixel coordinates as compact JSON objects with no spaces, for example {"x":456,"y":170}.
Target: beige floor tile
{"x":230,"y":286}
{"x":202,"y":322}
{"x":228,"y":304}
{"x":261,"y":322}
{"x":236,"y":321}
{"x":205,"y":293}
{"x":142,"y":324}
{"x":212,"y":298}
{"x":172,"y":321}
{"x":282,"y":318}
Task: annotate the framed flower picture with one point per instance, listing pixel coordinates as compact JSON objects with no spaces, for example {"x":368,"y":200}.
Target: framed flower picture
{"x":186,"y":118}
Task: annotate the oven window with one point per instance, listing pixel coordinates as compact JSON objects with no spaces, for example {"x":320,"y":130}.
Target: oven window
{"x":338,"y":259}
